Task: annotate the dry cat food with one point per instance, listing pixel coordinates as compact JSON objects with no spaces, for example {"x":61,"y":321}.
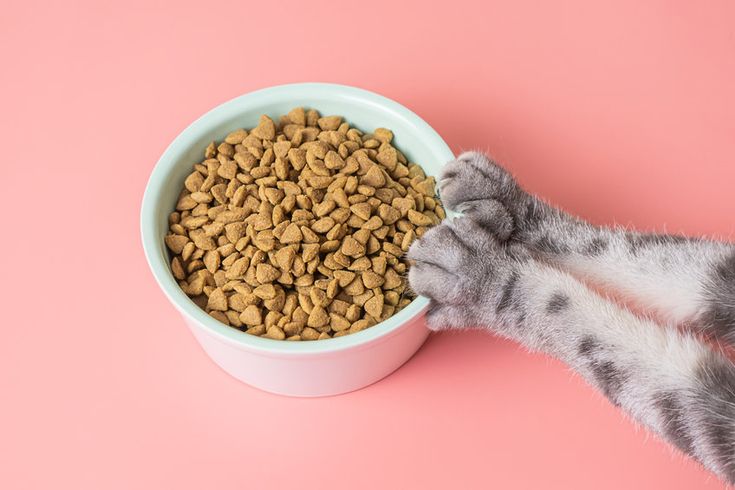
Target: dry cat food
{"x":296,"y":230}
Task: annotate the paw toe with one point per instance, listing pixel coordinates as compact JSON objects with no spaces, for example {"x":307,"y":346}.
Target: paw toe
{"x":439,"y":246}
{"x":441,"y":316}
{"x":434,"y":282}
{"x":475,"y":185}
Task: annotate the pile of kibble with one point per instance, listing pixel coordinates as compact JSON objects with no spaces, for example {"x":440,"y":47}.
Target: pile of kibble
{"x":296,"y":230}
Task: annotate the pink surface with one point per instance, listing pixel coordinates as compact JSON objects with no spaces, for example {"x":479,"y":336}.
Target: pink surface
{"x":620,"y":111}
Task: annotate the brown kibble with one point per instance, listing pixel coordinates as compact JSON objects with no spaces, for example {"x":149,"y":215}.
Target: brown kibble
{"x":379,"y":264}
{"x":426,"y":187}
{"x":361,"y":209}
{"x":329,"y":123}
{"x":292,"y":231}
{"x":372,"y":280}
{"x":383,"y":135}
{"x":251,"y":316}
{"x":285,"y":257}
{"x":318,"y":297}
{"x":338,"y":322}
{"x":362,"y":236}
{"x":176,"y":243}
{"x":388,"y":214}
{"x":333,"y":160}
{"x":178,"y":269}
{"x":323,"y":225}
{"x":266,"y":273}
{"x":194,"y":182}
{"x":318,"y":317}
{"x":374,"y":177}
{"x":219,"y":316}
{"x":236,"y":136}
{"x":212,"y":261}
{"x":374,"y":306}
{"x":188,"y":250}
{"x":265,"y":291}
{"x":210,"y":150}
{"x":403,"y":204}
{"x":373,"y":223}
{"x":355,"y":287}
{"x":407,"y":240}
{"x":201,"y":240}
{"x":344,"y":277}
{"x":359,"y":325}
{"x":281,"y":148}
{"x":388,"y":157}
{"x":352,"y":248}
{"x":292,"y":234}
{"x":392,"y":249}
{"x":217,"y":300}
{"x":297,"y":115}
{"x":418,"y":219}
{"x":274,"y":333}
{"x":392,"y":279}
{"x":257,"y":330}
{"x":239,"y":301}
{"x":353,"y":313}
{"x":361,"y":264}
{"x":238,"y":268}
{"x":266,"y":129}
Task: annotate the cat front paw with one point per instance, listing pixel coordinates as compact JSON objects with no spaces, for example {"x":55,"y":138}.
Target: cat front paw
{"x":466,"y":272}
{"x":476,"y":186}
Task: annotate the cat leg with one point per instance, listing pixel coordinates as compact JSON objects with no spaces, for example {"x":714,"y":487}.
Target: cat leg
{"x":667,"y":380}
{"x":683,"y":280}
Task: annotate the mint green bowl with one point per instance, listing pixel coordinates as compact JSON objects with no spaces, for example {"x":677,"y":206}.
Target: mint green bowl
{"x":315,"y":368}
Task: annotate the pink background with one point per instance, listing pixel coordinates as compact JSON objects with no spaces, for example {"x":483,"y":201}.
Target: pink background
{"x":621,"y":111}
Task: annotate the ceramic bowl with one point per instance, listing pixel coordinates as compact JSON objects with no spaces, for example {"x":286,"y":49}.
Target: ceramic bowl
{"x":313,"y":368}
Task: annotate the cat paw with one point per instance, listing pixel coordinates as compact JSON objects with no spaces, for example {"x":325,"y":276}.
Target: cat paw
{"x":464,"y":269}
{"x":478,"y":187}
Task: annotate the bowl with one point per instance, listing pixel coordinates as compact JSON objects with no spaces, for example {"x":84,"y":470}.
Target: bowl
{"x":307,"y":368}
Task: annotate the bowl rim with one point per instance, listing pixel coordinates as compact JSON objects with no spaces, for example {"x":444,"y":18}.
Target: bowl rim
{"x":167,"y":162}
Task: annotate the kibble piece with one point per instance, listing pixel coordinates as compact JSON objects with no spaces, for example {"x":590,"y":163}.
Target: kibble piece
{"x":178,"y":269}
{"x":329,"y":123}
{"x":374,"y":306}
{"x":217,"y":300}
{"x":388,"y":157}
{"x":344,"y":277}
{"x":309,"y":334}
{"x":265,"y":291}
{"x":392,"y":280}
{"x":285,"y":257}
{"x":266,"y":273}
{"x":362,"y":210}
{"x":251,"y":316}
{"x":236,"y":136}
{"x":292,"y":234}
{"x":418,"y":219}
{"x":266,"y":129}
{"x":374,"y":177}
{"x":372,"y":280}
{"x":338,"y":322}
{"x":352,"y":247}
{"x":176,"y":243}
{"x":256,"y":330}
{"x":274,"y":333}
{"x":318,"y":317}
{"x":388,"y":214}
{"x":383,"y":135}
